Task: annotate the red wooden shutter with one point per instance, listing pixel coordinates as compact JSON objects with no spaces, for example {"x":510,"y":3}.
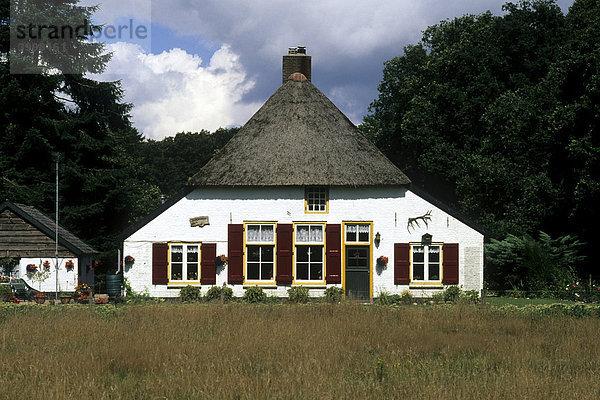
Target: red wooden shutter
{"x":160,"y":253}
{"x":208,"y":275}
{"x":450,"y":263}
{"x":284,"y":253}
{"x":333,"y":253}
{"x":401,"y":263}
{"x":235,"y":253}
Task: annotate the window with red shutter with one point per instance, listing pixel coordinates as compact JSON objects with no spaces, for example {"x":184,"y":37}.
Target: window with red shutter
{"x":284,"y":253}
{"x":309,"y":252}
{"x":208,"y":275}
{"x":160,"y":253}
{"x":333,"y":250}
{"x":235,"y":253}
{"x":450,"y":263}
{"x":401,"y":263}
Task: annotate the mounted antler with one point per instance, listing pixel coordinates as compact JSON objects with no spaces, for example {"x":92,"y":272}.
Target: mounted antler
{"x":425,"y":218}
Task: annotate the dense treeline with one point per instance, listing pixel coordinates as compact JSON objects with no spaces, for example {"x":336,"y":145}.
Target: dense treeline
{"x":498,"y":116}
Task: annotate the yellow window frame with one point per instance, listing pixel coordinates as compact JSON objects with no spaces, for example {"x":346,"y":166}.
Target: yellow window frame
{"x":274,"y":243}
{"x":324,"y":273}
{"x":370,"y":244}
{"x":183,"y":282}
{"x":306,"y":191}
{"x":427,"y":283}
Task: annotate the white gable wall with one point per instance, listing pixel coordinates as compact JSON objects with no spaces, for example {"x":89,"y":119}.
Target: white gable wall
{"x":387,"y":207}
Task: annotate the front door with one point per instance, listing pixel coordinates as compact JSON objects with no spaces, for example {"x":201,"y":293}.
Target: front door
{"x":357,"y":273}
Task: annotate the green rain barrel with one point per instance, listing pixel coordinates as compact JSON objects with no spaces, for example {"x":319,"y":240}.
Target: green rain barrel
{"x":113,"y":284}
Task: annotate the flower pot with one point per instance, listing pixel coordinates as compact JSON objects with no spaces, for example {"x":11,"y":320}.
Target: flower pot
{"x":65,"y":300}
{"x":40,"y":300}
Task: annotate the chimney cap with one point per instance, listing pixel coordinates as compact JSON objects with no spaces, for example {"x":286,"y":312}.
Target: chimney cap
{"x":301,"y":50}
{"x":292,"y":50}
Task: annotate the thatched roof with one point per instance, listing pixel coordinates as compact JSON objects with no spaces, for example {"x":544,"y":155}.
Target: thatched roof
{"x":299,"y":137}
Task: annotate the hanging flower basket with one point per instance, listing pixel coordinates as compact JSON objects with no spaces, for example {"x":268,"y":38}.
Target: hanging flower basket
{"x":129,"y":260}
{"x":93,"y":265}
{"x":69,"y":265}
{"x":46,"y":265}
{"x":31,"y":268}
{"x":382,"y":262}
{"x":221,"y":260}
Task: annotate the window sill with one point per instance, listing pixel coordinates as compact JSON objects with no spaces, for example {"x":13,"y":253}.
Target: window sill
{"x":426,"y":284}
{"x":266,"y":285}
{"x":181,"y":284}
{"x":309,"y":283}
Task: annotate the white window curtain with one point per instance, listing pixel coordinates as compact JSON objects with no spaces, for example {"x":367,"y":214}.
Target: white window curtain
{"x":316,"y":234}
{"x":363,"y":228}
{"x":267,"y":233}
{"x":351,"y":228}
{"x":177,"y":249}
{"x":192,"y":249}
{"x":302,"y":234}
{"x":253,"y":233}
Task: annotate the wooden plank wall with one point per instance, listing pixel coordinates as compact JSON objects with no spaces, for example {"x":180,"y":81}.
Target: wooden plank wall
{"x":18,"y":238}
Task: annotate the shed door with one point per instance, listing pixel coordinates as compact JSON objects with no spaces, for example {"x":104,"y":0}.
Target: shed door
{"x":357,"y":276}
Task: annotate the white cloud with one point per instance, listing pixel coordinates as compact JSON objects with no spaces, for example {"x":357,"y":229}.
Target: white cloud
{"x":173,"y":92}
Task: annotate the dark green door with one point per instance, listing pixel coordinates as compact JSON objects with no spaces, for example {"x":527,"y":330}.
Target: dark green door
{"x":358,"y":263}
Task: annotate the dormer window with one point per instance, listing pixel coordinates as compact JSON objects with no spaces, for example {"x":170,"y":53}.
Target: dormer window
{"x":316,"y":199}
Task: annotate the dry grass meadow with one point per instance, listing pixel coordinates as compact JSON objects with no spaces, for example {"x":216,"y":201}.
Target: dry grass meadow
{"x":281,"y":351}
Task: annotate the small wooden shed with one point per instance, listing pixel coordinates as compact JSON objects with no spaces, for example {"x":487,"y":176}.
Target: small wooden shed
{"x":28,"y":250}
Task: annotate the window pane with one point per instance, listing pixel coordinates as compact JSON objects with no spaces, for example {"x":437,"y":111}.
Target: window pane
{"x":267,"y":253}
{"x":316,"y":233}
{"x":302,"y":253}
{"x":363,"y":233}
{"x":266,"y":271}
{"x":192,"y":272}
{"x":302,"y":271}
{"x":315,"y":271}
{"x":418,"y":272}
{"x":316,"y":253}
{"x":253,"y":232}
{"x":176,"y":253}
{"x":302,"y":233}
{"x":351,"y":233}
{"x":252,"y":271}
{"x":176,"y":271}
{"x":267,"y":233}
{"x":434,"y":272}
{"x":253,"y":253}
{"x":192,"y":254}
{"x":434,"y":254}
{"x":418,"y":254}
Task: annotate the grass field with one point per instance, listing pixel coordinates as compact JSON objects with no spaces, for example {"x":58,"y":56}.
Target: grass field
{"x":499,"y":301}
{"x":280,"y":351}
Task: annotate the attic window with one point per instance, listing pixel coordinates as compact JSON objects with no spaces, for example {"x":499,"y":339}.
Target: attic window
{"x":316,"y":199}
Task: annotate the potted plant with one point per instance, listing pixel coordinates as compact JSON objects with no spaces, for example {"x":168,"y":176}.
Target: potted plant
{"x":4,"y":279}
{"x":69,"y":265}
{"x":40,"y":297}
{"x":101,"y":300}
{"x":31,"y":268}
{"x":82,"y":293}
{"x":382,"y":262}
{"x":65,"y":297}
{"x":129,"y":260}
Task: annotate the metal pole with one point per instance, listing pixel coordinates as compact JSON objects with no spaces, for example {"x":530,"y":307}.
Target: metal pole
{"x":56,"y":230}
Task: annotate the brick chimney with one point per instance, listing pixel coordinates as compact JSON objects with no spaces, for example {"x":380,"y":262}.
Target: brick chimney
{"x":296,"y":61}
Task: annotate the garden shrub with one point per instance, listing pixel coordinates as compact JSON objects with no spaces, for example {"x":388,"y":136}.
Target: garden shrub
{"x":5,"y":292}
{"x":190,"y":293}
{"x":385,"y":298}
{"x":533,"y":264}
{"x":298,"y":294}
{"x":334,"y":294}
{"x":406,"y":297}
{"x":452,"y":294}
{"x":218,"y":292}
{"x":255,"y":294}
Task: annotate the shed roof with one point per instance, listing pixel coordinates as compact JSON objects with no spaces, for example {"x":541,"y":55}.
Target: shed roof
{"x":299,"y":137}
{"x":48,"y":227}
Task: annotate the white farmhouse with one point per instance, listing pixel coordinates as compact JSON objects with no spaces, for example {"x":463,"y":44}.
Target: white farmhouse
{"x":300,"y":197}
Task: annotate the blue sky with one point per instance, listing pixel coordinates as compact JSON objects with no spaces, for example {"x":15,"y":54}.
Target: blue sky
{"x":209,"y":64}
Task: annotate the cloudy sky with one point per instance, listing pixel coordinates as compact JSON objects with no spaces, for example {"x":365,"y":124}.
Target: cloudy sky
{"x":188,"y":65}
